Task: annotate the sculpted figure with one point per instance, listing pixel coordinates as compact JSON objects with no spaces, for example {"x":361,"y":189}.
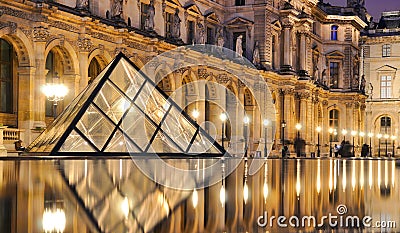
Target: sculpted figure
{"x":176,"y":28}
{"x":239,"y":49}
{"x":150,"y":16}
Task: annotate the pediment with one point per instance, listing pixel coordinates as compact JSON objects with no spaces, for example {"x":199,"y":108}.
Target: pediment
{"x":191,"y":6}
{"x":335,"y":54}
{"x":239,"y":21}
{"x":387,"y":68}
{"x":211,"y":16}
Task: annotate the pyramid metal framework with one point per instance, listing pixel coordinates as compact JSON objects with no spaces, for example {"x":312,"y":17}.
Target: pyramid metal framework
{"x":124,"y":112}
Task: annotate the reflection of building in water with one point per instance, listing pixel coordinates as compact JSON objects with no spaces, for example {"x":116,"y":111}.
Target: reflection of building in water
{"x":115,"y":196}
{"x":308,"y":53}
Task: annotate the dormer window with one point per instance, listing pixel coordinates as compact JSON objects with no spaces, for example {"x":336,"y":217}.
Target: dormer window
{"x":334,"y":32}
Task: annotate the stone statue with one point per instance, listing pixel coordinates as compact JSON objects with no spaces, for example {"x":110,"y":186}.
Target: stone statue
{"x":82,"y":4}
{"x":176,"y":28}
{"x":239,"y":49}
{"x":150,"y":16}
{"x":323,"y":81}
{"x":256,"y":54}
{"x":362,"y":3}
{"x":201,"y":34}
{"x":362,"y":84}
{"x":371,"y":89}
{"x":116,"y":11}
{"x":220,"y":38}
{"x":315,"y":61}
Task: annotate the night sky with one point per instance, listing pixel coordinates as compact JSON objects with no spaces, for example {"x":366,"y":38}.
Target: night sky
{"x":374,"y":7}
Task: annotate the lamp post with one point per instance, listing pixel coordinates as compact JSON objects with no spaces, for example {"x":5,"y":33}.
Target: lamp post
{"x":195,"y":114}
{"x":283,"y":125}
{"x":344,"y":132}
{"x":55,"y":92}
{"x":386,"y":143}
{"x":379,"y":144}
{"x":223,"y":118}
{"x":318,"y":145}
{"x":353,"y":134}
{"x":266,"y":123}
{"x":370,"y":135}
{"x":330,"y":141}
{"x":246,"y":121}
{"x":298,"y":128}
{"x":393,"y":150}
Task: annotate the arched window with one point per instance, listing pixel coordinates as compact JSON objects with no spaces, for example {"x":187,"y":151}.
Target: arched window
{"x":94,"y":70}
{"x":334,"y":32}
{"x":6,"y":77}
{"x":334,"y":122}
{"x":386,"y":124}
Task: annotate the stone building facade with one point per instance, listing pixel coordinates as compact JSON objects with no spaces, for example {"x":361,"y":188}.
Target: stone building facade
{"x":308,"y":53}
{"x":381,"y":62}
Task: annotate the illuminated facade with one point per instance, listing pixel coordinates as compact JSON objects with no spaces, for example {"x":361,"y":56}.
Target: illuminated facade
{"x":381,"y":64}
{"x":307,"y":52}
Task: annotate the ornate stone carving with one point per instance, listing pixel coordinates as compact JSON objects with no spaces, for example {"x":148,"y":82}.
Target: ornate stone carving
{"x":64,"y":26}
{"x":222,"y":78}
{"x":134,"y":45}
{"x":348,"y":104}
{"x":41,"y":34}
{"x":102,"y":36}
{"x":363,"y":106}
{"x":325,"y":102}
{"x":22,"y":14}
{"x":202,"y":73}
{"x":84,"y":44}
{"x":356,"y":105}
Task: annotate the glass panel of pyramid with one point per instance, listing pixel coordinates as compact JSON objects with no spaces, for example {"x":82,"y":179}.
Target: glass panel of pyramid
{"x":123,"y":111}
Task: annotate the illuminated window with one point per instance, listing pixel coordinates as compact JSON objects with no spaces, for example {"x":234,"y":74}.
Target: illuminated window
{"x":386,"y":50}
{"x":386,"y":87}
{"x":386,"y":123}
{"x":334,"y":122}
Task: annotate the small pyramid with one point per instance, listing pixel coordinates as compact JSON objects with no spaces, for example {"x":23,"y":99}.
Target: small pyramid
{"x":124,"y":112}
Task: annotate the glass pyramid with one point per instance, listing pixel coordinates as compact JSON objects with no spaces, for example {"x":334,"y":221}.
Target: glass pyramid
{"x":123,"y":111}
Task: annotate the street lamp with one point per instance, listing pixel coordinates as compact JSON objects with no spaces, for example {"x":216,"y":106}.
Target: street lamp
{"x":393,"y":139}
{"x":344,"y":132}
{"x":386,"y":143}
{"x":246,"y":121}
{"x":266,"y":123}
{"x":283,"y":125}
{"x":330,"y":141}
{"x":195,"y":114}
{"x":370,"y":135}
{"x":55,"y":92}
{"x":223,"y":118}
{"x":298,"y":128}
{"x":318,"y":146}
{"x":353,"y":134}
{"x":379,"y":144}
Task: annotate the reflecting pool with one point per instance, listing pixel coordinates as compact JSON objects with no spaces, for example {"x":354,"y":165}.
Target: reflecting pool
{"x":113,"y":195}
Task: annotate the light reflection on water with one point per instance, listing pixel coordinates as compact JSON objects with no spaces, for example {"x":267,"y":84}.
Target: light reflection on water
{"x":114,"y":196}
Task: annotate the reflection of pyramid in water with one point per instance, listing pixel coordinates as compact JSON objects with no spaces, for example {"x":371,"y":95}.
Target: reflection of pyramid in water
{"x":123,"y":111}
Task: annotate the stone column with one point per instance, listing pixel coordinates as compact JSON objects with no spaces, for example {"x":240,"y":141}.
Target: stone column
{"x":26,"y":99}
{"x":85,"y":46}
{"x":287,"y":53}
{"x":303,"y":55}
{"x":40,"y":37}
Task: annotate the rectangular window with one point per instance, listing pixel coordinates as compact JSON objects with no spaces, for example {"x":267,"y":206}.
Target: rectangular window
{"x":190,"y":39}
{"x":334,"y":74}
{"x":210,"y":35}
{"x":334,"y":32}
{"x":240,"y":2}
{"x":143,"y":15}
{"x":386,"y":50}
{"x":386,"y":87}
{"x":168,"y":24}
{"x":334,"y":124}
